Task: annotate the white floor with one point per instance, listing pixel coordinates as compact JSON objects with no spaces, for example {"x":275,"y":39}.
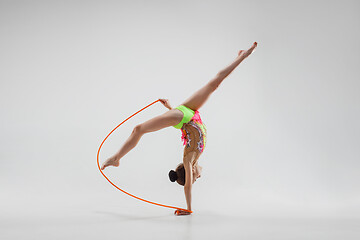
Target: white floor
{"x":135,"y":220}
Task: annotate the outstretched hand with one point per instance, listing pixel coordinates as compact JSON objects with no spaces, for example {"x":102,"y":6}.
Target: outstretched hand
{"x":165,"y":102}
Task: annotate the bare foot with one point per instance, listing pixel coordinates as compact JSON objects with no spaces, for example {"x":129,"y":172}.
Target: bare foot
{"x":113,"y":161}
{"x":246,"y":53}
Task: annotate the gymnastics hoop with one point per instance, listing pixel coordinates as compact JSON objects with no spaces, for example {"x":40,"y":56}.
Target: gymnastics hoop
{"x":98,"y":153}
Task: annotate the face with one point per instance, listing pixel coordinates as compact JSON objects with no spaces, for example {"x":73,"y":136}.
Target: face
{"x":196,"y":172}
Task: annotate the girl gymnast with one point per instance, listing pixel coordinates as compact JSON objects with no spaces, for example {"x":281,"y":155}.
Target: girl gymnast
{"x":185,"y":117}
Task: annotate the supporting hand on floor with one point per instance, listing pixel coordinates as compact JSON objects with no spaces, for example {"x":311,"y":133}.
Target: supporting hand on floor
{"x":179,"y":212}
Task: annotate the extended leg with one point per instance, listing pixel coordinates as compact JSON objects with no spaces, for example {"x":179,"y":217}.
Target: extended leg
{"x":170,"y":118}
{"x":200,"y":97}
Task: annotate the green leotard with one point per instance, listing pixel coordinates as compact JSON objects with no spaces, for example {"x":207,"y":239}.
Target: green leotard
{"x":188,"y":114}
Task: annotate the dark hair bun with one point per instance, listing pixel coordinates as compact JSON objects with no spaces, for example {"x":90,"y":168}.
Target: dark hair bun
{"x":173,"y":176}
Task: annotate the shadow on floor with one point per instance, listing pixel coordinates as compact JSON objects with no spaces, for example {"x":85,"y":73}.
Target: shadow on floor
{"x":133,"y":217}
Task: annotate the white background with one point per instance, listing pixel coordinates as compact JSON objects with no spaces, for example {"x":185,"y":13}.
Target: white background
{"x":282,"y":157}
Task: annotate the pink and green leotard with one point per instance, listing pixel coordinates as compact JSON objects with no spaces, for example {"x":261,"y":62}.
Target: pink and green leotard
{"x":192,"y":120}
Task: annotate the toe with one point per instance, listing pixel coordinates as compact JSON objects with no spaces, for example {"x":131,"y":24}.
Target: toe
{"x":103,"y":166}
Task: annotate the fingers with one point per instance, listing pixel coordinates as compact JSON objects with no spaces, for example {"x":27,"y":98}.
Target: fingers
{"x":181,"y":212}
{"x":163,"y":101}
{"x":184,"y":213}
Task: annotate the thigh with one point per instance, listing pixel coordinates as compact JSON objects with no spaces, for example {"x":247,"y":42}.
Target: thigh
{"x":198,"y":99}
{"x":168,"y":119}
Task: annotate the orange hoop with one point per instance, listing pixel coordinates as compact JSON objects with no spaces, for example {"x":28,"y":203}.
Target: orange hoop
{"x":158,"y":204}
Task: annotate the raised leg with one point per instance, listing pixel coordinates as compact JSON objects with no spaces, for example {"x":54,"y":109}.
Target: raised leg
{"x":201,"y":96}
{"x":170,"y":118}
{"x":198,"y":98}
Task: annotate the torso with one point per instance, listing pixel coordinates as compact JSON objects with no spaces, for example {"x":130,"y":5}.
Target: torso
{"x":195,"y":139}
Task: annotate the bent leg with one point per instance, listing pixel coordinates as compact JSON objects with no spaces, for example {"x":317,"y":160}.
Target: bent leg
{"x":168,"y":119}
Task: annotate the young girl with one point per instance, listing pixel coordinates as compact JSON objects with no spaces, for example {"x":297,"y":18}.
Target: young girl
{"x":187,"y":118}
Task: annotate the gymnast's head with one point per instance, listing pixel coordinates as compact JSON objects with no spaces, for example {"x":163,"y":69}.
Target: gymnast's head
{"x":179,"y":174}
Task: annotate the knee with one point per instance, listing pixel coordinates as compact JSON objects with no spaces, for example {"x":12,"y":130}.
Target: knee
{"x":213,"y":86}
{"x":137,"y":129}
{"x":215,"y":83}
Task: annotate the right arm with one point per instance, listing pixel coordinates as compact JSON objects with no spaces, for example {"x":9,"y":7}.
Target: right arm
{"x":188,"y":183}
{"x":187,"y":188}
